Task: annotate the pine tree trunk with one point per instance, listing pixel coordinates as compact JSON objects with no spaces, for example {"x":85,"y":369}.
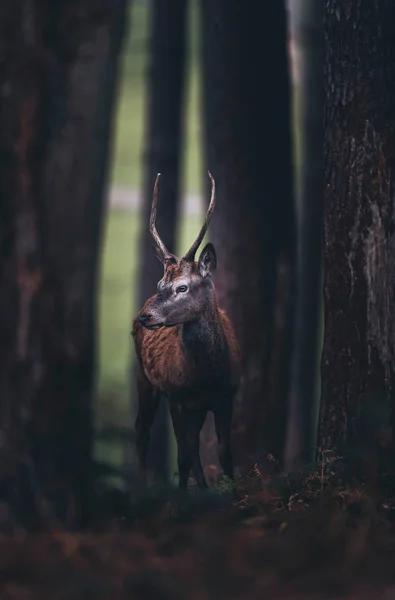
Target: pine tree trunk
{"x":166,"y":83}
{"x":248,"y":151}
{"x":303,"y":401}
{"x":358,"y":363}
{"x":58,"y":73}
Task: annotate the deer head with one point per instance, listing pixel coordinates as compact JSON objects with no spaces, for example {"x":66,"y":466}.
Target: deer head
{"x":186,"y":288}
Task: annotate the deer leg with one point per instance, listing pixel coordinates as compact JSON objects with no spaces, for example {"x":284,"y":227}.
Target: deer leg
{"x":148,"y":406}
{"x":223,"y":423}
{"x":198,"y":418}
{"x":187,"y":426}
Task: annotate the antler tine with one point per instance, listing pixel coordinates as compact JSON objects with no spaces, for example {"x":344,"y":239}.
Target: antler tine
{"x":190,"y":255}
{"x":162,"y":252}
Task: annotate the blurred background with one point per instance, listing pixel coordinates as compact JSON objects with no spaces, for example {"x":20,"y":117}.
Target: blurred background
{"x":119,"y":271}
{"x":97,"y":98}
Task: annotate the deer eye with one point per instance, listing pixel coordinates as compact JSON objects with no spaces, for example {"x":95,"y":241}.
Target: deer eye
{"x":181,"y":288}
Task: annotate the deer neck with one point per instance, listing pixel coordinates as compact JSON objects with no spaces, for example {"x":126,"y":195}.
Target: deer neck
{"x":203,"y":338}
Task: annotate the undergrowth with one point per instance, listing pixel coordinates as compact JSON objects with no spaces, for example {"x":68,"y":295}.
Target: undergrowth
{"x":317,"y":533}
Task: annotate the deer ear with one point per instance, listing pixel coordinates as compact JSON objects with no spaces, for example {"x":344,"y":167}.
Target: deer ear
{"x":207,"y":260}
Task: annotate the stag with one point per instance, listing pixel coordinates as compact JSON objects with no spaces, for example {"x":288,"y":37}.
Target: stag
{"x":188,"y":353}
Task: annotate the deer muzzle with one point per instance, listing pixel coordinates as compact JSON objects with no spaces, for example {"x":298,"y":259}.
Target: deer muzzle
{"x":146,"y":321}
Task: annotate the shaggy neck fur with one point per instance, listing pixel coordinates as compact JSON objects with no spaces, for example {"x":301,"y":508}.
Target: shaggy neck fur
{"x":204,"y":338}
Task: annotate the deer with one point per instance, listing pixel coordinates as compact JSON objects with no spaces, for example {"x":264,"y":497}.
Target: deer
{"x":187,"y":352}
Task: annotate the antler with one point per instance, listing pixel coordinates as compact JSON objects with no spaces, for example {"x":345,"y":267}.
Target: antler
{"x":190,"y":255}
{"x":162,"y":252}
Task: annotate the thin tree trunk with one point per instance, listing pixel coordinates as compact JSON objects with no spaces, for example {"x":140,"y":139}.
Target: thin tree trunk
{"x":303,"y":406}
{"x":248,"y":151}
{"x":54,"y":128}
{"x":358,"y":363}
{"x":166,"y":85}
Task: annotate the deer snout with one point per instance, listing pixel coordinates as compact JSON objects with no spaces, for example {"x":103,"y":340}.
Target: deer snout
{"x":144,"y":319}
{"x":148,"y":321}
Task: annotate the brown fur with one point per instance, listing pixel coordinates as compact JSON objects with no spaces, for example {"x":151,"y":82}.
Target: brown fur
{"x":187,"y":351}
{"x":197,"y":367}
{"x":171,"y":370}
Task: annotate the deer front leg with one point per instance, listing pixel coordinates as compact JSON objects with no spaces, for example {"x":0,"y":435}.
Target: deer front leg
{"x":187,"y":425}
{"x":223,"y":424}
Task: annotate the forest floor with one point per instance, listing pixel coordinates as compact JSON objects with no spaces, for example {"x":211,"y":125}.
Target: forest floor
{"x":266,"y":538}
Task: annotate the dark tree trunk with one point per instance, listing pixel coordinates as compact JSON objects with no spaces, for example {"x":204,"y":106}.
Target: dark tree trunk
{"x":58,"y":64}
{"x":248,"y":151}
{"x":166,"y":83}
{"x":303,"y":401}
{"x":358,"y":362}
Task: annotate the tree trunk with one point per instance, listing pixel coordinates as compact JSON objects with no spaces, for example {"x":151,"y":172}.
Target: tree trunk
{"x":359,"y":349}
{"x":166,"y":84}
{"x":248,"y":151}
{"x":58,"y":65}
{"x":303,"y":406}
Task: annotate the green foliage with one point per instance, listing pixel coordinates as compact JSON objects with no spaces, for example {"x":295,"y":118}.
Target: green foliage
{"x":226,"y":485}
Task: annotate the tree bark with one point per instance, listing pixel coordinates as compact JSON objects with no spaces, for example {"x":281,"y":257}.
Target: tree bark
{"x":58,"y":66}
{"x":359,"y":352}
{"x":303,"y":402}
{"x":166,"y":86}
{"x":248,"y":151}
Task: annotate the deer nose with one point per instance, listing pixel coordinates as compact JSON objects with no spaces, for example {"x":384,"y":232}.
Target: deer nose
{"x":144,"y":319}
